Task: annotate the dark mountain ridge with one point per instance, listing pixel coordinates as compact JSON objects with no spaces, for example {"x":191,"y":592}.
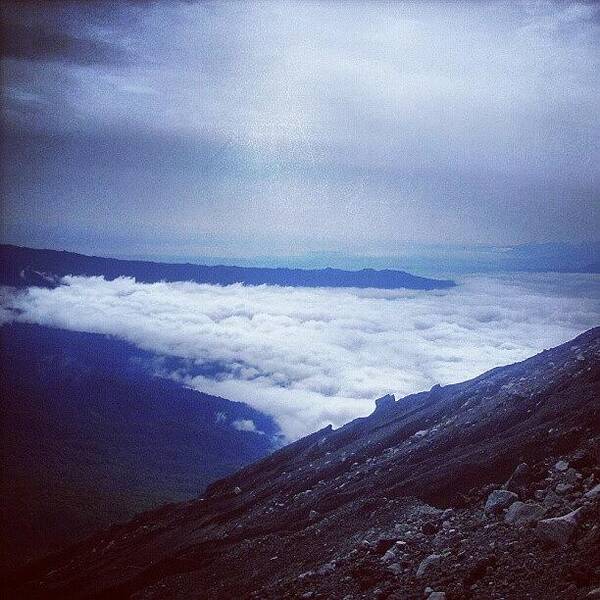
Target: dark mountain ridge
{"x":21,"y":267}
{"x":90,"y":436}
{"x":385,"y":507}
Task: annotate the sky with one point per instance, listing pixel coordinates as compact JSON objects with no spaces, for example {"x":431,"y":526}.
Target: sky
{"x":310,"y":357}
{"x":279,"y":128}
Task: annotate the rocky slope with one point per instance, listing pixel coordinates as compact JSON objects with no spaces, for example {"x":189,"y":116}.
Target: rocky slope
{"x":484,"y":489}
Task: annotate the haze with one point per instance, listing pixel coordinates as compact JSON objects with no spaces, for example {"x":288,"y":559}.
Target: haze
{"x":237,"y":129}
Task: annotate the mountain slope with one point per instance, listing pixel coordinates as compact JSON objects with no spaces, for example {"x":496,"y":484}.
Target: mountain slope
{"x":27,"y":266}
{"x":89,"y":437}
{"x":385,"y":506}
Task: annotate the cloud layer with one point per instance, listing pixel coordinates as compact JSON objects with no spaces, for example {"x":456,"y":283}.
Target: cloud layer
{"x":310,"y":357}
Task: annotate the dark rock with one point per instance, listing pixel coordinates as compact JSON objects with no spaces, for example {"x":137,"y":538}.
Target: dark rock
{"x":563,"y":488}
{"x":429,"y":528}
{"x":572,"y":476}
{"x":498,"y":500}
{"x":552,"y":499}
{"x":518,"y":479}
{"x":427,"y":564}
{"x":478,"y":570}
{"x":384,"y":544}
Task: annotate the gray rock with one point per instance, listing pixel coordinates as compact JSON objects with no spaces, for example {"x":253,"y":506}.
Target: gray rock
{"x":521,"y":513}
{"x":447,"y":514}
{"x":326,"y":569}
{"x":552,"y":499}
{"x":518,"y":478}
{"x":237,"y":490}
{"x":563,"y":488}
{"x":595,"y":593}
{"x":437,"y":596}
{"x":432,"y":561}
{"x":389,"y":556}
{"x":594,"y":492}
{"x":313,"y":515}
{"x":498,"y":500}
{"x":559,"y":530}
{"x":572,"y":476}
{"x":561,"y":465}
{"x":306,"y":574}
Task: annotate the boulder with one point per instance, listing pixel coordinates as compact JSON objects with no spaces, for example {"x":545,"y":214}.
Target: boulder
{"x":563,"y":488}
{"x":572,"y":476}
{"x":521,"y":513}
{"x":384,"y":544}
{"x":437,"y":596}
{"x":430,"y":528}
{"x":498,"y":500}
{"x":559,"y":530}
{"x":552,"y":499}
{"x":432,"y":561}
{"x":561,"y":465}
{"x":518,"y":479}
{"x":594,"y":492}
{"x":389,"y":556}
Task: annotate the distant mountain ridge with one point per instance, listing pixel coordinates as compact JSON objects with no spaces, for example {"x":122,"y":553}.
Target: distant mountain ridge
{"x":21,"y":266}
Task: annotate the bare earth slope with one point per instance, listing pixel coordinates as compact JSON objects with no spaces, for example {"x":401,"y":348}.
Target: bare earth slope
{"x":389,"y":506}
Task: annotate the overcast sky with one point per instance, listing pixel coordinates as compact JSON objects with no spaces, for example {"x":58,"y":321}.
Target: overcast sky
{"x":263,"y":128}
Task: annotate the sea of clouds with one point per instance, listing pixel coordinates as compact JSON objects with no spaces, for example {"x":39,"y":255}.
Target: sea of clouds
{"x":310,"y":357}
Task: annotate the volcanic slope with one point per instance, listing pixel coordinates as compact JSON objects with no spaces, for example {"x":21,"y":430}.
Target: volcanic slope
{"x":483,"y":489}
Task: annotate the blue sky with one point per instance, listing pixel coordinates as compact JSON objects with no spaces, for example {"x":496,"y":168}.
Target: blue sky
{"x":280,"y":128}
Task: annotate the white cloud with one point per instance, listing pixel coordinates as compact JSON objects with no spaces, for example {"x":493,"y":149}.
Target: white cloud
{"x":246,"y":425}
{"x":310,"y":357}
